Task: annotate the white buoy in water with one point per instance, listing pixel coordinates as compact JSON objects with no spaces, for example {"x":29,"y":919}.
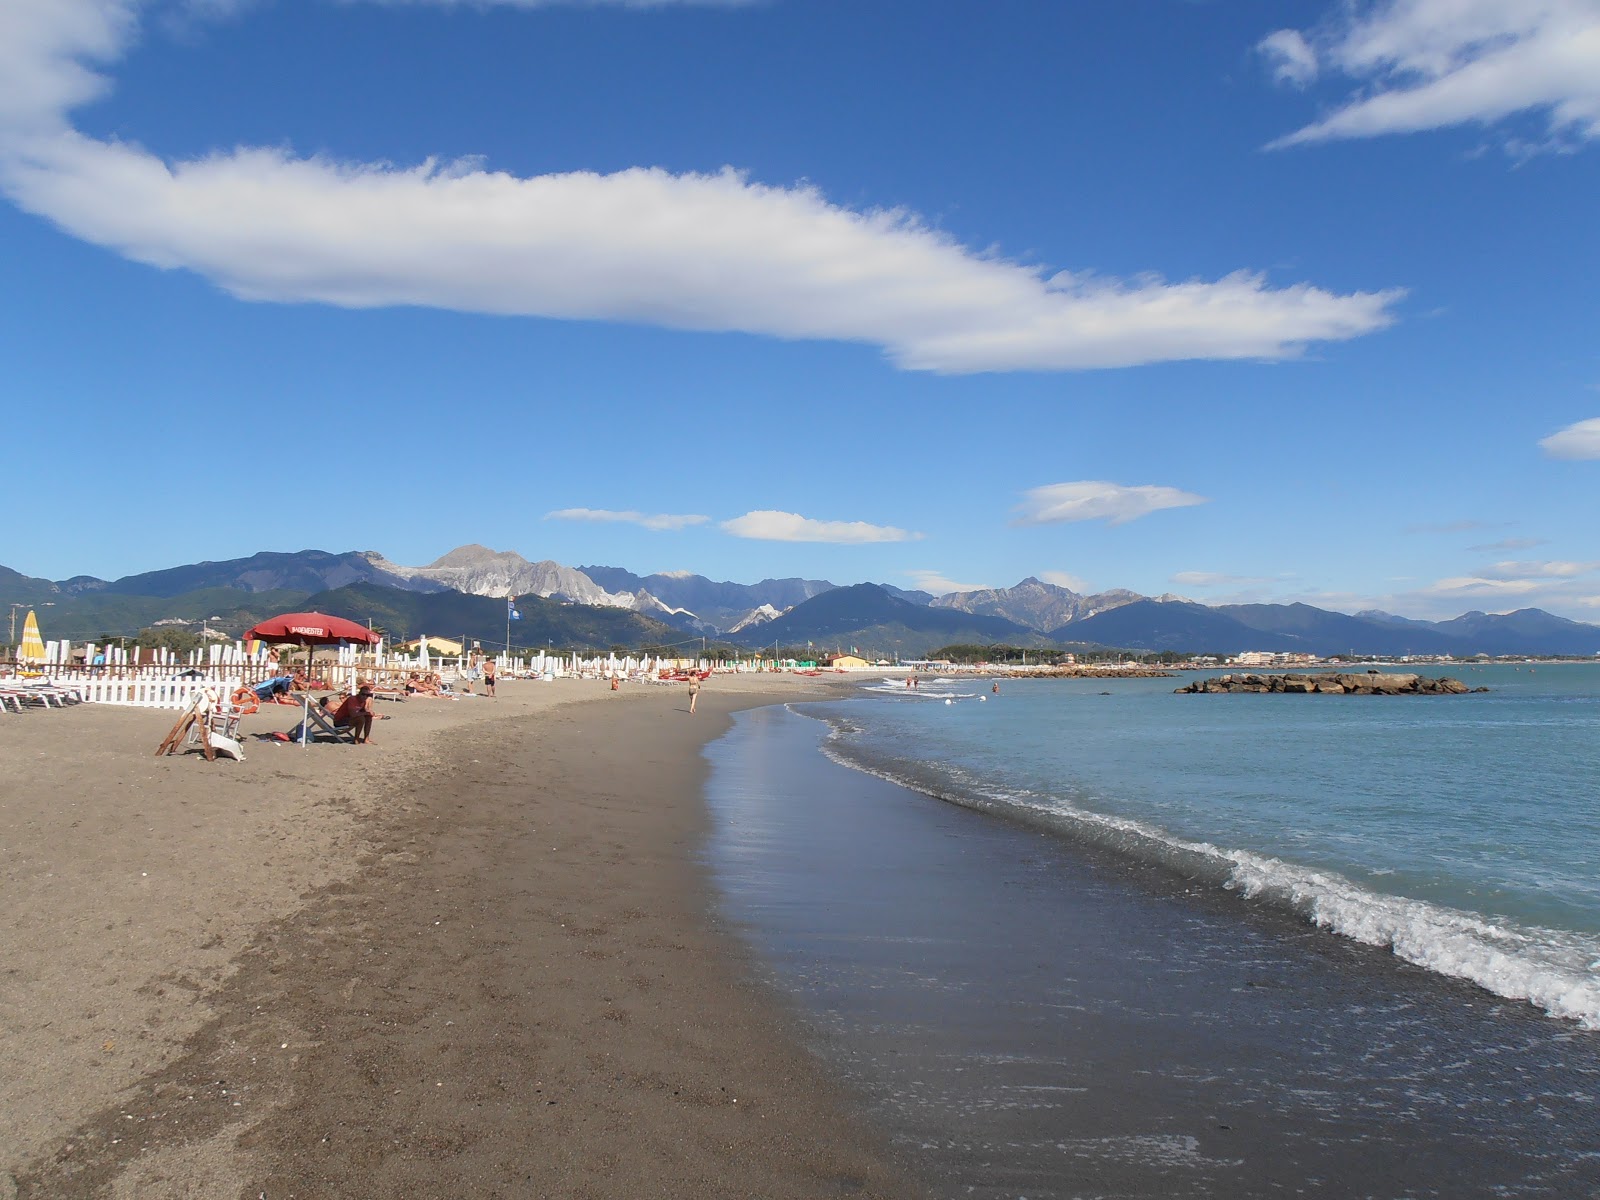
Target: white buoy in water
{"x":947,"y":700}
{"x":982,"y":699}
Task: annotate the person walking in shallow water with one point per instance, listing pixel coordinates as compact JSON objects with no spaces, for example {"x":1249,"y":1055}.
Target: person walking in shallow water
{"x":694,"y":690}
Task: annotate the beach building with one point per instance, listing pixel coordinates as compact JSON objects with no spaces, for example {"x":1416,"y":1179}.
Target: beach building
{"x":1254,"y":658}
{"x":449,"y":647}
{"x":849,"y":662}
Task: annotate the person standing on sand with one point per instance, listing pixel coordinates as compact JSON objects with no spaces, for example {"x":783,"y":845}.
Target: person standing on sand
{"x":694,"y":690}
{"x":488,"y":677}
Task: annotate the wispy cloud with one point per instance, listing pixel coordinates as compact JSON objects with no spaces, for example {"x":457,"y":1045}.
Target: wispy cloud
{"x":1213,"y":579}
{"x":939,"y":585}
{"x":563,"y":3}
{"x":1467,"y":526}
{"x":1428,"y":64}
{"x":1580,"y":440}
{"x":1293,"y":60}
{"x":769,"y":525}
{"x":1097,"y":500}
{"x":656,"y":521}
{"x":1508,"y":544}
{"x":1476,"y":585}
{"x":716,"y":251}
{"x":1549,"y":569}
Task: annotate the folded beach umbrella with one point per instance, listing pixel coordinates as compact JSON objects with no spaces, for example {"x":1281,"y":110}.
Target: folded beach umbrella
{"x":32,"y":647}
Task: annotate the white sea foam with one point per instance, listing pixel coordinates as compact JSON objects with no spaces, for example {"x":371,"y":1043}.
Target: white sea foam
{"x":926,"y":689}
{"x":1556,"y":970}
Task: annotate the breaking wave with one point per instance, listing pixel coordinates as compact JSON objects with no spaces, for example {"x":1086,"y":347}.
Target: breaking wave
{"x":1556,"y":970}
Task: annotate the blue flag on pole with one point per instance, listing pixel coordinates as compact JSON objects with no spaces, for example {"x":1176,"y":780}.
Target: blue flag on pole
{"x":511,"y":609}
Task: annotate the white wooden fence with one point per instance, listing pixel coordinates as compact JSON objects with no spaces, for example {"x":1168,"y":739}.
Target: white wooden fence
{"x":110,"y":674}
{"x":170,"y":692}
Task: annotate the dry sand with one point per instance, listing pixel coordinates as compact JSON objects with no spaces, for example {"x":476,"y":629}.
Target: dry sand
{"x":475,"y":958}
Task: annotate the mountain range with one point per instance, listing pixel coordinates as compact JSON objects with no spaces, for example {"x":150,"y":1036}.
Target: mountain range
{"x":465,"y":590}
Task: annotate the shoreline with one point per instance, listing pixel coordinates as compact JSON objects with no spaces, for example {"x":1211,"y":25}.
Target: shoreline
{"x":479,"y":957}
{"x":1040,"y":1016}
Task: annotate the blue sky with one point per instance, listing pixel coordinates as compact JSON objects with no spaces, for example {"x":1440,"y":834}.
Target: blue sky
{"x":1234,"y":300}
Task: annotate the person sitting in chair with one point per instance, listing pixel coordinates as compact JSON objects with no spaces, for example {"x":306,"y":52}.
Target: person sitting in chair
{"x":306,"y":727}
{"x":356,"y":712}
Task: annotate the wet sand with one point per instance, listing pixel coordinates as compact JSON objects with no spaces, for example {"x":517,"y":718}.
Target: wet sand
{"x":474,"y":958}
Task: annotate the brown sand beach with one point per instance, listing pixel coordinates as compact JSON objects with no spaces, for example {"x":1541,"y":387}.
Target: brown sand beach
{"x":475,"y":958}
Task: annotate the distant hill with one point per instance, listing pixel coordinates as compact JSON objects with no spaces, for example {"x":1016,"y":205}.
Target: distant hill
{"x":100,"y":615}
{"x":300,"y":571}
{"x":1335,"y":633}
{"x":1303,"y":628}
{"x":1529,"y":630}
{"x":1179,"y":625}
{"x":17,"y":588}
{"x":868,"y":617}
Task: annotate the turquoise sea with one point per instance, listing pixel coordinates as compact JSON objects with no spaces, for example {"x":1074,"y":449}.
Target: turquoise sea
{"x":1086,"y":938}
{"x":1462,"y":832}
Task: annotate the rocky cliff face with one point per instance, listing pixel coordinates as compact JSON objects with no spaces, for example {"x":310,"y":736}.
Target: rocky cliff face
{"x":755,"y":617}
{"x":1036,"y":604}
{"x":723,"y":604}
{"x":479,"y":571}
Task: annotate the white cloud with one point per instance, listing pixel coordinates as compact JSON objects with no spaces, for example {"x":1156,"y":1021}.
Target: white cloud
{"x":769,"y":525}
{"x":1212,"y":579}
{"x":1073,"y":583}
{"x":1513,"y":543}
{"x":686,"y":251}
{"x":656,"y":521}
{"x":1428,"y":64}
{"x":1096,"y":500}
{"x":1580,"y":440}
{"x":1475,"y":585}
{"x":1293,"y":61}
{"x":1538,"y":570}
{"x":939,"y":585}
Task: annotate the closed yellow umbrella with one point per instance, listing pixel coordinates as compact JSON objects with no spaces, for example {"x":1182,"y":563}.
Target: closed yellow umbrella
{"x":32,"y":648}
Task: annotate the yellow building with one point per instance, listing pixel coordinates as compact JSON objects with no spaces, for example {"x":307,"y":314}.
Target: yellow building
{"x":849,"y":662}
{"x":448,"y":647}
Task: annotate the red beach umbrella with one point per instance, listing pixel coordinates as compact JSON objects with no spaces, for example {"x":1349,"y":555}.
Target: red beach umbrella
{"x":310,"y":629}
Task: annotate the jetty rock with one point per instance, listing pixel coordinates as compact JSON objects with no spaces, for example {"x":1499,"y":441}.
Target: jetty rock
{"x":1336,"y":683}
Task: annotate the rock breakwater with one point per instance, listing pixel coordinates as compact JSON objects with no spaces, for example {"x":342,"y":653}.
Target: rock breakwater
{"x":1340,"y":683}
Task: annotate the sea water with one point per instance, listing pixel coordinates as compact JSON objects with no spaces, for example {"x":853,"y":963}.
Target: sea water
{"x":1068,"y":944}
{"x":1462,"y":832}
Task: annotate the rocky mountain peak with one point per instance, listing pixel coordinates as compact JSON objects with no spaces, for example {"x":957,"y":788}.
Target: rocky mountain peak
{"x":475,"y":556}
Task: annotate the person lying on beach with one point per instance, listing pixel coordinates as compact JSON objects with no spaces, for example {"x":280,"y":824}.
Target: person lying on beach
{"x":418,"y":684}
{"x":276,"y":690}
